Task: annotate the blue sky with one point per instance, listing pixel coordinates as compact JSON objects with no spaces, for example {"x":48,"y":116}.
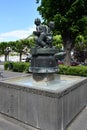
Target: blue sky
{"x":17,"y":19}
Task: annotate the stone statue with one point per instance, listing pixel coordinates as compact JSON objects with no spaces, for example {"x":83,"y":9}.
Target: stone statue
{"x":43,"y":34}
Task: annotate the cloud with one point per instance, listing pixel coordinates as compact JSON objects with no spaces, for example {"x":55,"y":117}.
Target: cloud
{"x":16,"y":34}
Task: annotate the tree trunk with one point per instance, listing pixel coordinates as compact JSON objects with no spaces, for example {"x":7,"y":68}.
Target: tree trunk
{"x":20,"y":57}
{"x":6,"y":57}
{"x":67,"y":48}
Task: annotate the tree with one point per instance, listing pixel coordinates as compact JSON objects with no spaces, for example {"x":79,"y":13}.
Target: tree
{"x":19,"y":46}
{"x":23,"y":45}
{"x":70,"y":18}
{"x":30,"y":42}
{"x":3,"y":46}
{"x":11,"y":44}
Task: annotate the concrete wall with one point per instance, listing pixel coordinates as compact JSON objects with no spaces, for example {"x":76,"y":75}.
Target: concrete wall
{"x":41,"y":109}
{"x":73,"y":102}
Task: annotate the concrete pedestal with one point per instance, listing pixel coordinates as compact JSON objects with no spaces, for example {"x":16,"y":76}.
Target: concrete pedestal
{"x":47,"y":105}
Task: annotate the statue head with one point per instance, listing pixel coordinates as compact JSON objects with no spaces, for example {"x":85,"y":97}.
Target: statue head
{"x":37,"y":21}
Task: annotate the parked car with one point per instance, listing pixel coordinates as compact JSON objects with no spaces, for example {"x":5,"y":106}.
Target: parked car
{"x":84,"y":64}
{"x":73,"y":63}
{"x":60,"y":62}
{"x":28,"y":58}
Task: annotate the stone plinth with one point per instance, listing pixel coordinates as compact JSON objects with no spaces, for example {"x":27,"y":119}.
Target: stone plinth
{"x":44,"y":105}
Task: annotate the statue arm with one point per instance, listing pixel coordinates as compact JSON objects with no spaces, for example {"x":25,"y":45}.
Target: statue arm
{"x":36,"y":33}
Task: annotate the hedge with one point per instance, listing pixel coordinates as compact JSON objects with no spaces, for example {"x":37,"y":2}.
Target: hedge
{"x":17,"y":66}
{"x":73,"y":70}
{"x":67,"y":70}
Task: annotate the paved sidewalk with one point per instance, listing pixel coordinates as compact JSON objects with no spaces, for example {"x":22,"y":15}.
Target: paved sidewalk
{"x":80,"y":122}
{"x":9,"y":74}
{"x":7,"y":123}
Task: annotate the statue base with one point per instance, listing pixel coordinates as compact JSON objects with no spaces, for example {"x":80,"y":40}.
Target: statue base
{"x":43,"y":60}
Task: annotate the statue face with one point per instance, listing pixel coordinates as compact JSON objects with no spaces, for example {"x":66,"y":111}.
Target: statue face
{"x":37,"y":21}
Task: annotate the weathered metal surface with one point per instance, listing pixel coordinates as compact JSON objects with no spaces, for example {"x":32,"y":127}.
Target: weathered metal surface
{"x":43,"y":58}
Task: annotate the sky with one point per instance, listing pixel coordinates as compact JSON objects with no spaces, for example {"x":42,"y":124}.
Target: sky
{"x":17,"y":19}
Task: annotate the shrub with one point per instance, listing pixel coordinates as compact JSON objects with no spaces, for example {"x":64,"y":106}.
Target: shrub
{"x":6,"y":64}
{"x":17,"y":66}
{"x":73,"y":70}
{"x":67,"y":70}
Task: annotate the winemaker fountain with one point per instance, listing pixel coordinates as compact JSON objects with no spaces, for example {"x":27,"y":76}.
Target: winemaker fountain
{"x":43,"y":100}
{"x":43,"y":61}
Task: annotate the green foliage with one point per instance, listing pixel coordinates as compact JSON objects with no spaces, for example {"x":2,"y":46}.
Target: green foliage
{"x":58,"y":42}
{"x":80,"y":43}
{"x":80,"y":48}
{"x":11,"y":44}
{"x":70,"y":16}
{"x":3,"y":46}
{"x":73,"y":70}
{"x":85,"y":41}
{"x":32,"y":42}
{"x":67,"y":70}
{"x":17,"y":66}
{"x":17,"y":45}
{"x":6,"y":65}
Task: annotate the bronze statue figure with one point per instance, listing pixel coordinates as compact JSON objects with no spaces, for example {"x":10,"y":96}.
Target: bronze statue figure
{"x":43,"y":54}
{"x":43,"y":34}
